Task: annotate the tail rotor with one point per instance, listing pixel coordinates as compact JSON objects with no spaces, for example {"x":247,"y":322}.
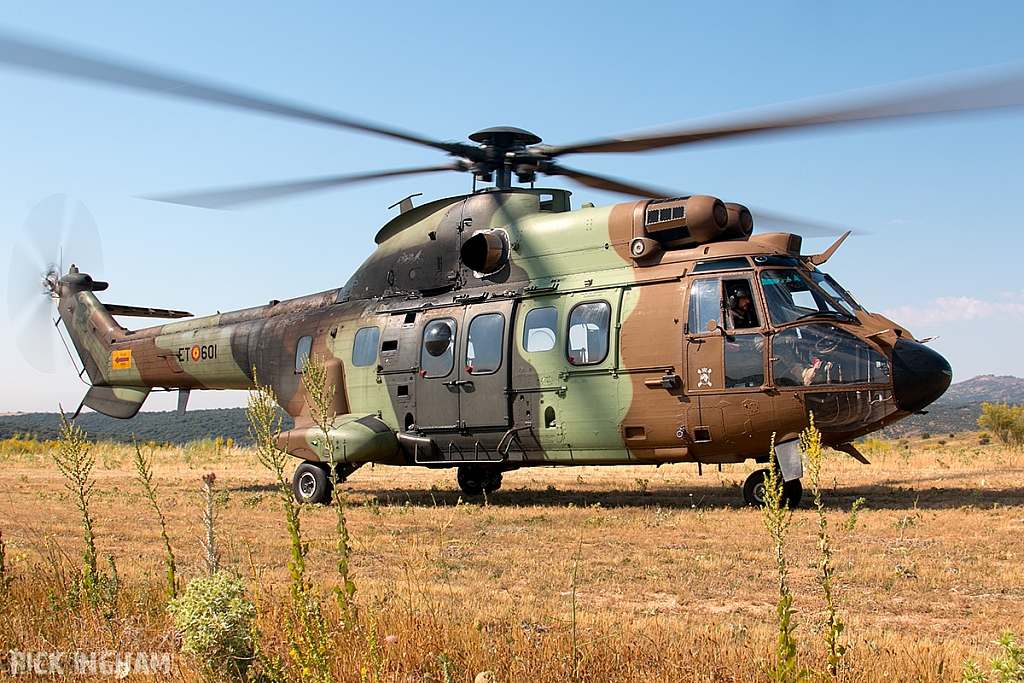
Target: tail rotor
{"x":59,"y":227}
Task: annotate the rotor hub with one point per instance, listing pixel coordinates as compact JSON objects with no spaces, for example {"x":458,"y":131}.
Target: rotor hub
{"x":505,"y":137}
{"x":505,"y":153}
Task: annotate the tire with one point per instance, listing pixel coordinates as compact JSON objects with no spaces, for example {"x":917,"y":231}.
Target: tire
{"x":792,"y":492}
{"x":471,"y":480}
{"x":753,"y":490}
{"x":311,"y":484}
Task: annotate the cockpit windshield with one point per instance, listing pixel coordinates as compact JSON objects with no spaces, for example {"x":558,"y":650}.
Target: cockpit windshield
{"x":791,"y":296}
{"x":835,"y":290}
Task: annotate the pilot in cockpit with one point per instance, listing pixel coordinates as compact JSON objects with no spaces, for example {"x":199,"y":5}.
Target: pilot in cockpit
{"x":742,"y":313}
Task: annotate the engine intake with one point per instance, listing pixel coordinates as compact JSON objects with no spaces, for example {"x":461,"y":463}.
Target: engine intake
{"x":486,"y":252}
{"x":740,"y":224}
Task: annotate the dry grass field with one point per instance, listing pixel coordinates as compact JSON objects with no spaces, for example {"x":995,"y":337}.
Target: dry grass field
{"x":613,"y":574}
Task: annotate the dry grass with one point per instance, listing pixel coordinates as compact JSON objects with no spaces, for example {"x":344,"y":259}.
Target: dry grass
{"x":675,"y":576}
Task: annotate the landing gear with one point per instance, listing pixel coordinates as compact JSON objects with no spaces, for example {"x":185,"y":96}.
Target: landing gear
{"x":312,"y":481}
{"x":753,"y":490}
{"x":476,"y":480}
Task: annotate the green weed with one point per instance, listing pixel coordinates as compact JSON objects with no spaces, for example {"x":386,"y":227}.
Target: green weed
{"x":215,"y":622}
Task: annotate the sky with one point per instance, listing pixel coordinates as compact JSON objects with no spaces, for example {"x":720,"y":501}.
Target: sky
{"x":932,"y":202}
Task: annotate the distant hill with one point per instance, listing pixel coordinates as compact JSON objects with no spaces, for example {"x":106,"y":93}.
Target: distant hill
{"x":941,"y":418}
{"x":990,"y":388}
{"x":162,"y":427}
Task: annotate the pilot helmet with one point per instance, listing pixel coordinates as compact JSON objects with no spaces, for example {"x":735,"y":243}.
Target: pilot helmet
{"x":737,"y":294}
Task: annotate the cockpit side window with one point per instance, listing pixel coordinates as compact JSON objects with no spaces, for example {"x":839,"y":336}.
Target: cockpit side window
{"x":740,"y":309}
{"x":705,"y":304}
{"x":729,"y":302}
{"x":811,"y":355}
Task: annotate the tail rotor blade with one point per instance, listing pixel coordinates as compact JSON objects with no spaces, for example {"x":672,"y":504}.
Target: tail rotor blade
{"x":59,"y":227}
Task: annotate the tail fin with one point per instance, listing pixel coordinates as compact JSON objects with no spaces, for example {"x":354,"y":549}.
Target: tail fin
{"x":92,"y":331}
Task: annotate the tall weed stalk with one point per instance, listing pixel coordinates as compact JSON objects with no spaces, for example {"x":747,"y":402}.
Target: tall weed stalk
{"x":310,"y":643}
{"x":5,"y":580}
{"x":75,"y":461}
{"x":810,"y":446}
{"x":777,"y":518}
{"x":211,"y":557}
{"x":144,"y":472}
{"x":319,"y":396}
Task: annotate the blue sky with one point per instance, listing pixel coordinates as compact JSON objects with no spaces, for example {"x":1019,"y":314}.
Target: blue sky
{"x":936,"y":199}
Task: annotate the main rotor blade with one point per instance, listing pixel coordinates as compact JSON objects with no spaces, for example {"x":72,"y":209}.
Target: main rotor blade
{"x":610,"y":184}
{"x":222,"y":199}
{"x":767,"y":221}
{"x":977,"y":89}
{"x":764,"y":221}
{"x":35,"y":56}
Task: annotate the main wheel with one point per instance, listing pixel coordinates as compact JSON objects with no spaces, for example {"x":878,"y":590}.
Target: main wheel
{"x":753,"y":490}
{"x":312,"y":483}
{"x":471,"y":480}
{"x":792,"y":492}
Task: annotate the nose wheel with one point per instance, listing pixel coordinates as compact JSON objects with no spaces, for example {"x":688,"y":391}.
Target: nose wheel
{"x":753,"y":490}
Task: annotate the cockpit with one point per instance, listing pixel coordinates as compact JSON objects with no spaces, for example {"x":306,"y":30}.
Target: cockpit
{"x":781,"y":324}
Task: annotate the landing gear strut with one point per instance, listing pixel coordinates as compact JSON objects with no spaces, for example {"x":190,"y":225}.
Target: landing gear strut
{"x":476,"y":480}
{"x":753,"y":490}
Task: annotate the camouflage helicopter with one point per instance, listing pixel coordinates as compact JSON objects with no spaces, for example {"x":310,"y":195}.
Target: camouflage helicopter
{"x":503,"y":328}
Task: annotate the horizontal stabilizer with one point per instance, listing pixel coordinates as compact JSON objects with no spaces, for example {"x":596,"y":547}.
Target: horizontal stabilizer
{"x":119,"y":402}
{"x":145,"y":312}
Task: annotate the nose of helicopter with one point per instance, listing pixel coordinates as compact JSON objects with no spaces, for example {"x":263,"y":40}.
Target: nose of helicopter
{"x":919,"y":375}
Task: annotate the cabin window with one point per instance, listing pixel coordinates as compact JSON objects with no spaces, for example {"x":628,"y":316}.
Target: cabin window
{"x":437,"y":357}
{"x":364,"y":348}
{"x":588,"y":333}
{"x":483,"y":346}
{"x":539,"y":329}
{"x":302,"y":352}
{"x":812,"y":355}
{"x":791,"y":296}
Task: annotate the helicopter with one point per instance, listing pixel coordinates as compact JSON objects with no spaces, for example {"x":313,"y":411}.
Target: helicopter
{"x":503,"y":328}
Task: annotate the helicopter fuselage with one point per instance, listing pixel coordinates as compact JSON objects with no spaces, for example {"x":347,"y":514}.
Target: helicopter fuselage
{"x":502,"y":329}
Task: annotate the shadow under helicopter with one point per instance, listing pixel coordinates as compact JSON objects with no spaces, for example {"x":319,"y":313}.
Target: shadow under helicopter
{"x":892,"y":494}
